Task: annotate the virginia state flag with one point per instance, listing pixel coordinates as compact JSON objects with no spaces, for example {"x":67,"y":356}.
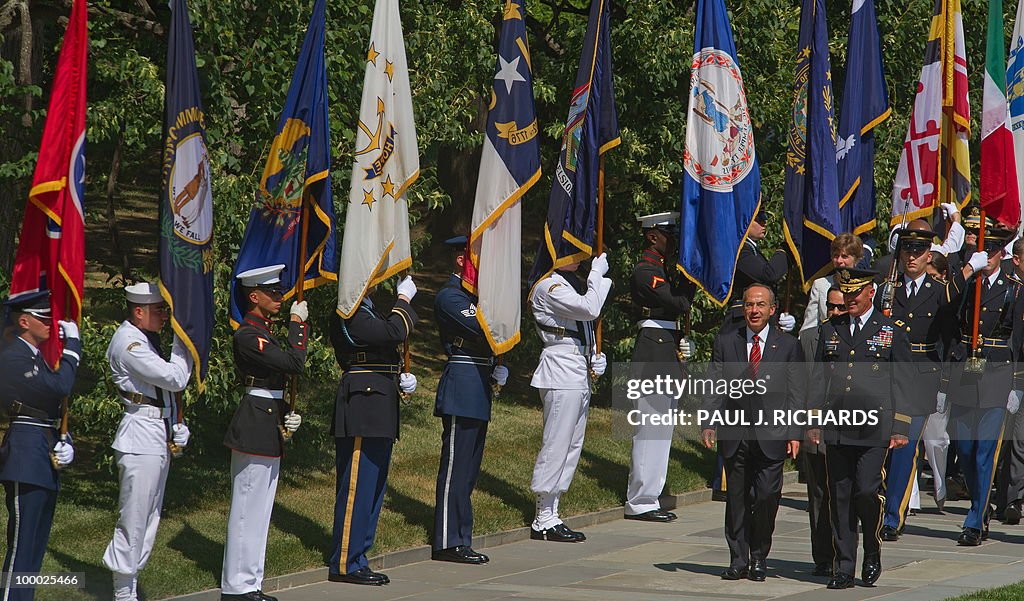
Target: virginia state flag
{"x":509,"y":166}
{"x":591,"y":130}
{"x":811,"y":198}
{"x":387,"y":162}
{"x":865,"y":105}
{"x":298,"y":166}
{"x":998,"y":193}
{"x":51,"y":247}
{"x":940,"y":125}
{"x":721,"y":178}
{"x":186,"y":205}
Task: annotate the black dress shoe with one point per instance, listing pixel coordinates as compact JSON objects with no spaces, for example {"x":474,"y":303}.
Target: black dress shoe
{"x":758,"y":570}
{"x":460,"y":554}
{"x":871,"y":569}
{"x":1013,"y":512}
{"x":736,"y":573}
{"x":654,"y":515}
{"x":266,"y":597}
{"x":970,"y":537}
{"x":559,"y":533}
{"x":250,"y":596}
{"x":361,"y":576}
{"x":822,"y":569}
{"x":890,"y":534}
{"x":718,"y":495}
{"x":840,"y":581}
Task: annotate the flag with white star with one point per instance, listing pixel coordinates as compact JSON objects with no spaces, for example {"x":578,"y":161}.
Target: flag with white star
{"x":509,"y":166}
{"x":387,"y":162}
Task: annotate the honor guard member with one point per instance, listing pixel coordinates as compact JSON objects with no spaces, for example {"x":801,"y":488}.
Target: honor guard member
{"x":565,"y":309}
{"x":1011,"y":477}
{"x":32,"y":450}
{"x":464,"y":405}
{"x":365,"y":425}
{"x":858,"y":399}
{"x":919,"y":303}
{"x":256,"y":432}
{"x":146,"y":384}
{"x":658,"y":301}
{"x":752,"y":267}
{"x":984,"y":384}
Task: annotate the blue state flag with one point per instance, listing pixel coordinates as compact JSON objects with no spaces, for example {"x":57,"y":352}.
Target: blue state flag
{"x":865,"y":105}
{"x":811,"y":198}
{"x":186,"y":205}
{"x":298,"y":168}
{"x":721,"y":178}
{"x":591,"y":130}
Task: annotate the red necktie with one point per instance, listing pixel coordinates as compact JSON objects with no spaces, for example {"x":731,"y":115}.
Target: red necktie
{"x":755,"y":355}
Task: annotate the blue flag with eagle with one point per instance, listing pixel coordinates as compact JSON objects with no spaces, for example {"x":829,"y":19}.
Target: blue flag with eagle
{"x":591,"y":130}
{"x":298,"y":165}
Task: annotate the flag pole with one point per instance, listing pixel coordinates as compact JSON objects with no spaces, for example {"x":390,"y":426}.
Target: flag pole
{"x":975,"y":364}
{"x":65,"y":408}
{"x":598,"y":329}
{"x":300,"y":294}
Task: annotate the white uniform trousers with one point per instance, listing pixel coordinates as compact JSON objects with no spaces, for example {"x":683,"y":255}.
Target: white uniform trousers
{"x":142,"y":481}
{"x":652,"y":444}
{"x":565,"y":423}
{"x":936,"y":449}
{"x":253,"y":486}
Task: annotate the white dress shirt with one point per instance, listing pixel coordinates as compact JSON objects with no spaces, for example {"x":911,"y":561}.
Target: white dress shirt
{"x":862,"y":320}
{"x":760,"y":340}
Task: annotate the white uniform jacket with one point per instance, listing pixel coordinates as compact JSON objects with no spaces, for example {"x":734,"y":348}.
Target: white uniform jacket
{"x":564,"y":361}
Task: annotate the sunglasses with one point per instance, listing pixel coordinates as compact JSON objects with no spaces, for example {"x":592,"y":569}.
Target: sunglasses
{"x":835,"y":306}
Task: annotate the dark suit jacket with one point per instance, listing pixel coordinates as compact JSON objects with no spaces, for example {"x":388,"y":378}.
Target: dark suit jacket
{"x":785,"y":378}
{"x":752,"y":267}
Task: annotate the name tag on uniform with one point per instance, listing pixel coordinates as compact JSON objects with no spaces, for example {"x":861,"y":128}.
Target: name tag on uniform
{"x":832,"y":345}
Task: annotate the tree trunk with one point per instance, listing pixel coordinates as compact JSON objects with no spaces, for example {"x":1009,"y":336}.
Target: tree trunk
{"x":115,"y":234}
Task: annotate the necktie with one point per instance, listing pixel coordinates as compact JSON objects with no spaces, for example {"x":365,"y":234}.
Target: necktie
{"x":913,"y":289}
{"x":755,"y":355}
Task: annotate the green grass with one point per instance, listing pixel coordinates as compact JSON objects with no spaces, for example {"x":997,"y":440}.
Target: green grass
{"x":189,"y":547}
{"x":1013,"y":592}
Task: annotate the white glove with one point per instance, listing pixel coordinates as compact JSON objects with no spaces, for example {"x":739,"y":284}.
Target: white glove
{"x":407,"y":383}
{"x":949,"y":209}
{"x":406,"y":288}
{"x":786,"y":322}
{"x":180,"y":434}
{"x":65,"y":453}
{"x":300,"y":310}
{"x":292,"y":421}
{"x":978,"y":261}
{"x":1013,"y":401}
{"x":685,"y":348}
{"x":600,"y":264}
{"x":500,"y":374}
{"x":940,"y":402}
{"x":68,"y":329}
{"x":598,"y":363}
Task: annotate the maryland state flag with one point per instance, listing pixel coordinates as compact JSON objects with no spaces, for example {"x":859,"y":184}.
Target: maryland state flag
{"x":591,"y":130}
{"x":865,"y":105}
{"x":935,"y":165}
{"x":51,"y":248}
{"x":998,"y":193}
{"x":509,"y":166}
{"x":811,"y":199}
{"x":298,"y":168}
{"x":186,"y":206}
{"x":387,"y":162}
{"x":721,"y":178}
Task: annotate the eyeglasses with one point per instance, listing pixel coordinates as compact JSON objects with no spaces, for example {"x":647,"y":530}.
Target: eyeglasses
{"x":835,"y":306}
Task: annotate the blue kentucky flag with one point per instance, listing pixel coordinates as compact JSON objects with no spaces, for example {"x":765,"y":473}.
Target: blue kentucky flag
{"x":186,"y":205}
{"x":721,"y":178}
{"x":591,"y":129}
{"x":811,"y":202}
{"x":865,"y":105}
{"x":298,"y":167}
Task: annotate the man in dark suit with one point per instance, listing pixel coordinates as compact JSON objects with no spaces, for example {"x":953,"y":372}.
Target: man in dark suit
{"x":752,"y":267}
{"x":365,"y":425}
{"x":854,"y":393}
{"x":32,"y":451}
{"x":754,"y":454}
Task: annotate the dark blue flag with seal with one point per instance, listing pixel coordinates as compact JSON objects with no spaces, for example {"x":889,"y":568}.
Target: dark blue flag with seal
{"x":591,"y":129}
{"x":811,"y":198}
{"x":186,"y":205}
{"x":865,"y":105}
{"x":298,"y":167}
{"x":721,"y":177}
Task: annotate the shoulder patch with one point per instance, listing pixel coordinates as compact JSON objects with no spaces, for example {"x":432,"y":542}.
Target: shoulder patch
{"x":655,"y":280}
{"x":552,"y":288}
{"x":133,"y":345}
{"x":470,"y":312}
{"x":262,"y":342}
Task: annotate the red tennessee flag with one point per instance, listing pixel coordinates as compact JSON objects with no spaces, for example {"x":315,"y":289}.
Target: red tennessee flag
{"x":51,"y":248}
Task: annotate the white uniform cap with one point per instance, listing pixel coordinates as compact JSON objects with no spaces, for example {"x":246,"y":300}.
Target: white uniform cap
{"x":261,"y":276}
{"x":143,"y":293}
{"x":658,"y":219}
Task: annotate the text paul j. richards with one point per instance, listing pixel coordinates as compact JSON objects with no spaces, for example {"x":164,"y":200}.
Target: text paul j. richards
{"x":738,"y":417}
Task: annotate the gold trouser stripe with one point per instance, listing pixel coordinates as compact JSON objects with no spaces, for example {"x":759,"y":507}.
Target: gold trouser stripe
{"x":881,"y":504}
{"x":910,"y":482}
{"x":995,"y":462}
{"x":346,"y":527}
{"x":724,"y":479}
{"x":831,"y":523}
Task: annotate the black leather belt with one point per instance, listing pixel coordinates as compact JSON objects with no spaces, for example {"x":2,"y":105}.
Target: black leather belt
{"x":254,"y":381}
{"x":373,"y":368}
{"x":18,"y":408}
{"x":562,"y":332}
{"x":139,"y":399}
{"x":468,"y":346}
